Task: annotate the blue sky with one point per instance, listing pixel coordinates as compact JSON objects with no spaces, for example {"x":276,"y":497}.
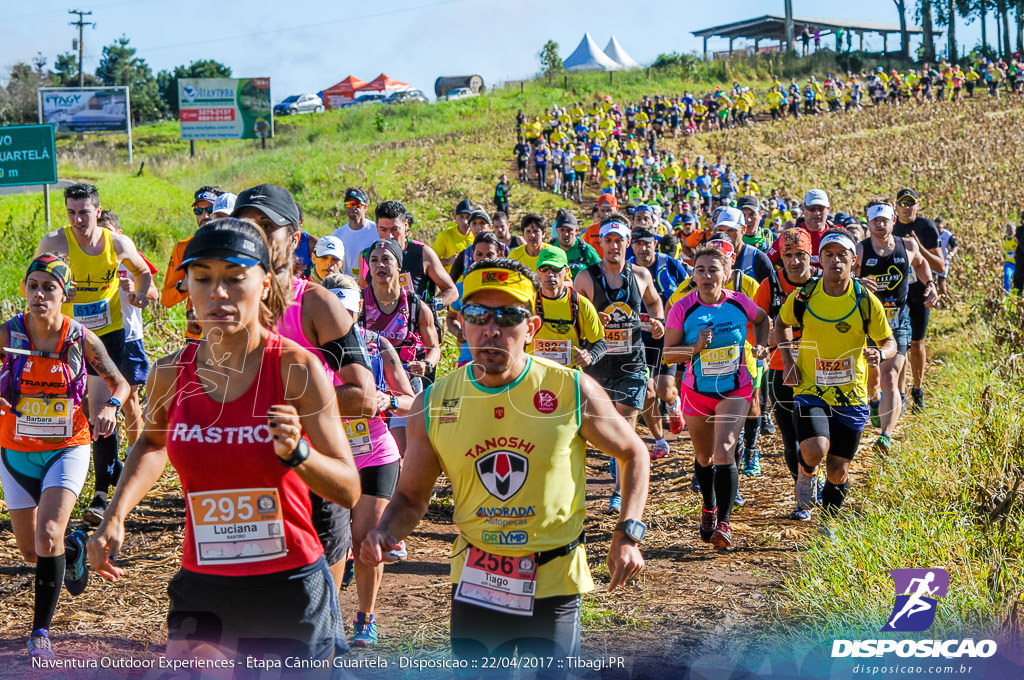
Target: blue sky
{"x":308,"y":45}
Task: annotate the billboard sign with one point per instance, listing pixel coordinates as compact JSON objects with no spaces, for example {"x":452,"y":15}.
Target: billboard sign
{"x":27,"y":155}
{"x":225,"y":108}
{"x":85,"y":109}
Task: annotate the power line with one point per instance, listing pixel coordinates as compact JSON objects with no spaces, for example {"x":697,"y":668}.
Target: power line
{"x":219,"y":39}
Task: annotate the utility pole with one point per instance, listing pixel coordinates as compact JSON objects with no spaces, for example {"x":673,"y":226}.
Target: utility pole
{"x":789,"y":26}
{"x":81,"y":24}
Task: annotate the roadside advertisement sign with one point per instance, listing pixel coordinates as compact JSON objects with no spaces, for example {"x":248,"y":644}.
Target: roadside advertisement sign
{"x":225,"y":108}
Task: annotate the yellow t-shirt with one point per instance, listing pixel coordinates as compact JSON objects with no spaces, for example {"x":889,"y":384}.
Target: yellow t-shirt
{"x":97,"y":303}
{"x":450,"y":242}
{"x":1010,"y":249}
{"x":519,"y":254}
{"x":581,"y":163}
{"x":558,"y":335}
{"x":516,"y":461}
{"x":831,"y":356}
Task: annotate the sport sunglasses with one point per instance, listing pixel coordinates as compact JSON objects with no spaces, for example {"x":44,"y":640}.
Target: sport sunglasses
{"x":199,"y":211}
{"x":505,"y":317}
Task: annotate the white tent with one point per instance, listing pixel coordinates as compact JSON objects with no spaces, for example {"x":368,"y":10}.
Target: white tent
{"x":615,"y":52}
{"x":589,"y":57}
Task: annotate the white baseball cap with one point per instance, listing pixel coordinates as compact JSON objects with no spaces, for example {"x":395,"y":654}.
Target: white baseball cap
{"x":816,"y":197}
{"x":330,"y":245}
{"x":224,"y":205}
{"x":730,"y":218}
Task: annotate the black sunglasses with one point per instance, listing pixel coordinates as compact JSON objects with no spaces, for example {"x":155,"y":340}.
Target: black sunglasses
{"x":199,"y":211}
{"x":505,"y":317}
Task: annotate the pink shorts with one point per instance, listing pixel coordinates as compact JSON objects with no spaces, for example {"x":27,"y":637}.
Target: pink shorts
{"x":697,"y":404}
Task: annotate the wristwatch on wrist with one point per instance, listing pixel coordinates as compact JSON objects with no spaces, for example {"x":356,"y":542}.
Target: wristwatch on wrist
{"x":115,"y":402}
{"x":633,"y":528}
{"x":299,"y":455}
{"x":394,"y":403}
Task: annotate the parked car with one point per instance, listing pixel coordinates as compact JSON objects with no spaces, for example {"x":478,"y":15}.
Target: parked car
{"x":405,"y":96}
{"x":365,"y":99}
{"x":299,"y":103}
{"x":460,"y":93}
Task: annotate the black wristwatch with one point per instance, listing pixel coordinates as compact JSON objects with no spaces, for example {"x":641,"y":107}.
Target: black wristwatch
{"x":633,"y":528}
{"x":116,"y":403}
{"x":299,"y":455}
{"x":394,"y":403}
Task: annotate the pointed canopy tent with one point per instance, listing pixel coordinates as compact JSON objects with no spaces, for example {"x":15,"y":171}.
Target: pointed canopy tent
{"x":615,"y":52}
{"x":385,"y":85}
{"x":589,"y":57}
{"x":342,"y":93}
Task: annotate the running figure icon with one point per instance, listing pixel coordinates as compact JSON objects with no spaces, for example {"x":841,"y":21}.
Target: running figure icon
{"x":914,"y":609}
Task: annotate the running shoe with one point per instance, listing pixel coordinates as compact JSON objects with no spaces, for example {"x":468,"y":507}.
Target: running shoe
{"x":767,"y":424}
{"x":364,"y":631}
{"x":722,"y":538}
{"x":876,"y":421}
{"x":349,"y":573}
{"x":708,"y":522}
{"x":675,"y":417}
{"x":39,"y":645}
{"x":94,"y":513}
{"x":739,"y":501}
{"x":752,"y":463}
{"x":614,"y":504}
{"x":76,"y":571}
{"x":883,"y":445}
{"x":917,"y":395}
{"x":660,"y":450}
{"x":399,"y":553}
{"x":695,"y":483}
{"x":800,"y":514}
{"x":806,"y":489}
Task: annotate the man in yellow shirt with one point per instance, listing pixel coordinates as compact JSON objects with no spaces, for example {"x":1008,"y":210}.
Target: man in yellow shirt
{"x":510,"y":431}
{"x":456,"y":238}
{"x":571,"y":333}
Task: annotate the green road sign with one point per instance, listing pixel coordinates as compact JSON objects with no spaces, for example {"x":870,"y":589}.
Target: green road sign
{"x":27,"y":155}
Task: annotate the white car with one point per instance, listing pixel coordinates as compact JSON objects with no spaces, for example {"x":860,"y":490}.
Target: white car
{"x":299,"y":103}
{"x":460,"y":93}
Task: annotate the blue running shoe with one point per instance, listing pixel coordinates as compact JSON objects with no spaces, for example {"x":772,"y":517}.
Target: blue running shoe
{"x":364,"y":630}
{"x":39,"y":645}
{"x":76,"y":574}
{"x":614,"y":504}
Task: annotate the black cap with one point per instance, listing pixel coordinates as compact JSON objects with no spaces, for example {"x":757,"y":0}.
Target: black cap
{"x":565,"y":219}
{"x":906,"y":193}
{"x":752,"y":202}
{"x":273,"y":201}
{"x":464,"y":206}
{"x":228,"y":239}
{"x":641,"y":234}
{"x":479,"y":214}
{"x":353,"y":194}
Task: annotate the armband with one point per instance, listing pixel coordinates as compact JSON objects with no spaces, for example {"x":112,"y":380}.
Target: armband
{"x":344,"y":351}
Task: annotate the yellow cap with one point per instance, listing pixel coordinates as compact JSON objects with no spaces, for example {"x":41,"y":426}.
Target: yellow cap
{"x":504,"y":280}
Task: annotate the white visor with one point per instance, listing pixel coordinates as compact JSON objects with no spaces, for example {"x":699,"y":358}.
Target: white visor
{"x":349,"y":298}
{"x":843,"y":240}
{"x":881,"y":210}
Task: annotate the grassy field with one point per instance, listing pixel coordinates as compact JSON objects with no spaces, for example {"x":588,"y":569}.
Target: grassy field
{"x":947,"y":498}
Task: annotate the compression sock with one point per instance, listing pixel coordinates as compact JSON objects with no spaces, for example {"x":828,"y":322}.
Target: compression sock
{"x":104,"y":460}
{"x":751,"y":431}
{"x":726,"y":484}
{"x":49,"y":579}
{"x":706,"y":479}
{"x":832,"y":497}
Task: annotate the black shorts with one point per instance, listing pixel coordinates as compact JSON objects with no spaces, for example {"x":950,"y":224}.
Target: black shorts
{"x":379,"y":481}
{"x":521,"y":165}
{"x":652,"y":354}
{"x":552,"y":631}
{"x":824,"y":421}
{"x":292,"y":613}
{"x":629,"y":389}
{"x":919,"y":315}
{"x":333,"y":525}
{"x":113,"y":342}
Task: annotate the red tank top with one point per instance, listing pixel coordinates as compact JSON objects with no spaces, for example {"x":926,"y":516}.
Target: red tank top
{"x":246,"y":514}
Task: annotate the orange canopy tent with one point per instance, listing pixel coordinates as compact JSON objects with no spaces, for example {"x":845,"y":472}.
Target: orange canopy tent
{"x":384,"y":84}
{"x":342,"y":93}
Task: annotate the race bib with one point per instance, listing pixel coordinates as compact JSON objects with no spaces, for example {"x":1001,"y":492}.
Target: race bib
{"x":559,"y":351}
{"x":618,"y":340}
{"x":892,"y":315}
{"x":92,"y":315}
{"x":237,"y":526}
{"x":358,"y":433}
{"x":41,"y":417}
{"x":498,"y":582}
{"x":720,"y":360}
{"x":405,"y":281}
{"x":832,"y":372}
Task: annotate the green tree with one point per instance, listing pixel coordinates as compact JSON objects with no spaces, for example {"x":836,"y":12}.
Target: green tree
{"x":550,"y":62}
{"x":65,"y":71}
{"x":168,"y":80}
{"x":18,"y":100}
{"x":120,"y":66}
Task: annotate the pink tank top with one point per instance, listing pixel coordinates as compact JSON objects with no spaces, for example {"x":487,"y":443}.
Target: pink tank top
{"x":290,"y":325}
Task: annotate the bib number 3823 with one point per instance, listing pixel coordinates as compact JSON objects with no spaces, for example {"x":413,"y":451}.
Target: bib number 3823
{"x":498,"y":582}
{"x":236,"y":526}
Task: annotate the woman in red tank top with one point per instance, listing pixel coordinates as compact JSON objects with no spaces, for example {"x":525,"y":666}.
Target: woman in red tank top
{"x":250,"y":422}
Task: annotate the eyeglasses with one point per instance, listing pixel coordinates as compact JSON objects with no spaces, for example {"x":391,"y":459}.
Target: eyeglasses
{"x":199,"y":211}
{"x":505,"y":317}
{"x":907,"y":204}
{"x":354,"y":204}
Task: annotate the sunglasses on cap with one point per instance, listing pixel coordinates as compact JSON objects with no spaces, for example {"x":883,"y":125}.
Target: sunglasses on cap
{"x":505,"y":317}
{"x":199,"y":211}
{"x":354,"y":204}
